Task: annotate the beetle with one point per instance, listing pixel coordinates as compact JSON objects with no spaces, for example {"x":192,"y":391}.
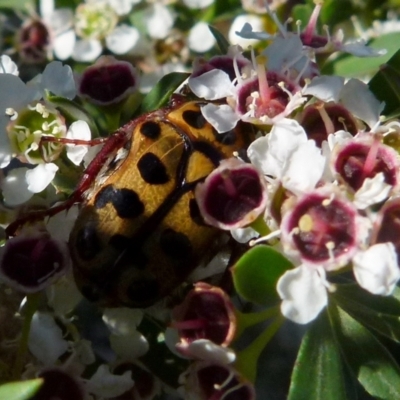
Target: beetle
{"x":139,"y":232}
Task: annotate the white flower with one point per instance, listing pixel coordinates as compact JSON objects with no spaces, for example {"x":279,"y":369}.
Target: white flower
{"x":60,"y":25}
{"x":8,"y":66}
{"x":125,"y":340}
{"x":197,"y":3}
{"x":241,"y":23}
{"x":376,"y":269}
{"x":46,"y":341}
{"x":104,"y":384}
{"x":56,"y":78}
{"x":304,"y":290}
{"x":286,"y":154}
{"x":159,"y":21}
{"x":39,"y":177}
{"x":78,"y":130}
{"x":303,"y":293}
{"x":200,"y":39}
{"x":354,"y":95}
{"x":14,"y":188}
{"x":373,"y":191}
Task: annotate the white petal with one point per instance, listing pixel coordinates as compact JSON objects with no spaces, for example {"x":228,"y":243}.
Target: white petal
{"x":373,"y":191}
{"x":8,"y":66}
{"x":376,"y":269}
{"x":284,"y":51}
{"x":39,"y":177}
{"x":46,"y":341}
{"x":60,"y":20}
{"x":271,"y":153}
{"x":104,"y":384}
{"x":129,"y":347}
{"x":18,"y":96}
{"x":63,"y":295}
{"x":243,"y":235}
{"x":87,"y":50}
{"x":159,"y":21}
{"x":326,"y":88}
{"x":303,"y":293}
{"x":304,"y":168}
{"x":245,"y":23}
{"x":78,"y":130}
{"x":122,"y":39}
{"x":123,"y":320}
{"x":221,"y":117}
{"x":59,"y":79}
{"x":64,"y":44}
{"x":360,"y":49}
{"x":46,"y":8}
{"x":204,"y":349}
{"x":357,"y":97}
{"x":15,"y":188}
{"x":212,"y":85}
{"x":197,"y":3}
{"x":122,"y":7}
{"x":200,"y":38}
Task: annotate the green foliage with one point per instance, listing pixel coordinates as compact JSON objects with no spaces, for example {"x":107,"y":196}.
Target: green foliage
{"x":20,"y":390}
{"x":386,"y":83}
{"x":256,"y":273}
{"x":162,"y":91}
{"x":318,"y":372}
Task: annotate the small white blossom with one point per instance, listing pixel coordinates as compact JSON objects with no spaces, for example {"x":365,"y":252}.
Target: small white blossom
{"x":200,"y":38}
{"x":303,"y":293}
{"x":104,"y":384}
{"x":46,"y":341}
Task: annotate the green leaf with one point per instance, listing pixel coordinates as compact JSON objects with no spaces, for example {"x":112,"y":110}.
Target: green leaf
{"x":73,"y":112}
{"x":256,"y":273}
{"x":222,"y":43}
{"x":159,"y":96}
{"x":302,"y":12}
{"x":385,"y":84}
{"x":159,"y":359}
{"x":351,"y":66}
{"x":381,"y":313}
{"x":20,"y":390}
{"x":319,"y":357}
{"x":18,"y":4}
{"x":369,"y":361}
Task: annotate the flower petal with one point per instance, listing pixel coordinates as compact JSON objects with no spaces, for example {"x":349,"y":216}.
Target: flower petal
{"x":46,"y":341}
{"x":39,"y":177}
{"x":122,"y":39}
{"x":211,"y":85}
{"x":78,"y":130}
{"x":376,"y":269}
{"x":303,"y":293}
{"x":14,"y":187}
{"x":104,"y":384}
{"x":221,"y":117}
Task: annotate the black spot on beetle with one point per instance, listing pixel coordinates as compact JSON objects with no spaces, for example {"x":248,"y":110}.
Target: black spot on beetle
{"x":152,"y":169}
{"x":87,"y":243}
{"x":175,"y":244}
{"x":131,"y":251}
{"x":150,"y":129}
{"x":194,"y":119}
{"x":143,"y":290}
{"x":126,"y":202}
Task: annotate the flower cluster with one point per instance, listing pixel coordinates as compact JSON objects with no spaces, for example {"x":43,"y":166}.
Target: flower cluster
{"x":305,"y":212}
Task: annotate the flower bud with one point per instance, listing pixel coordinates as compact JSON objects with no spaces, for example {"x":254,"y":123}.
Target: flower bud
{"x":232,"y":196}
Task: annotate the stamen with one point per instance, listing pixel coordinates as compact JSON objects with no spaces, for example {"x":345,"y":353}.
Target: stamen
{"x":312,"y":23}
{"x":330,"y":128}
{"x":266,"y":238}
{"x":370,"y":161}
